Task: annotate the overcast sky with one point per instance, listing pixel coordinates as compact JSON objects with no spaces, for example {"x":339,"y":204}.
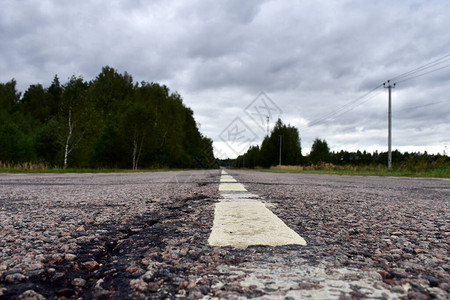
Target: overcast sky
{"x":311,"y":60}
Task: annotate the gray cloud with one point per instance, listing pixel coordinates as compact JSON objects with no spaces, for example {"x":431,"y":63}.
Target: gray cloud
{"x":311,"y":57}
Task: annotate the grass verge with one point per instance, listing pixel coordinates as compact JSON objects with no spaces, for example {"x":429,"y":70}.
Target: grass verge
{"x":440,"y":172}
{"x":42,"y":168}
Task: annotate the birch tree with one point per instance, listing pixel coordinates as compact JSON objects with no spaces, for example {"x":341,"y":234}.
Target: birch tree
{"x":75,"y":115}
{"x":136,"y":124}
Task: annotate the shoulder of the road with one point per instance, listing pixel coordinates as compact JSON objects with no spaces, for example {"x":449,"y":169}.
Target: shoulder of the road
{"x":241,"y":219}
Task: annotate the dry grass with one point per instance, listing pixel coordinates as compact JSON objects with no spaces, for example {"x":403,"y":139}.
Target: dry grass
{"x":26,"y":166}
{"x":326,"y":166}
{"x":378,"y":170}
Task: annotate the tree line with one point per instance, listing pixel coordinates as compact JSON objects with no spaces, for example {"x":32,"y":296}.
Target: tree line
{"x":268,"y":154}
{"x":109,"y":122}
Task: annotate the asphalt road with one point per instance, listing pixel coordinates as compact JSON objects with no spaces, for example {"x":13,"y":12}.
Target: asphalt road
{"x":145,"y":235}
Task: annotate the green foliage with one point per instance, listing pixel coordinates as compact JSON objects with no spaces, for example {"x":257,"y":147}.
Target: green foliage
{"x":110,"y":91}
{"x":47,"y":145}
{"x":14,"y":144}
{"x":320,"y":152}
{"x":321,"y":160}
{"x":269,"y":153}
{"x":40,"y":104}
{"x":411,"y":162}
{"x":9,"y":96}
{"x":107,"y":123}
{"x":108,"y":148}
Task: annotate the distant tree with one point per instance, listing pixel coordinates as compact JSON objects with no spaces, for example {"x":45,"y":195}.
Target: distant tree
{"x":291,"y":150}
{"x":193,"y":143}
{"x":252,"y":158}
{"x":9,"y":96}
{"x":135,"y":126}
{"x":320,"y":152}
{"x":269,"y":152}
{"x":109,"y":147}
{"x":205,"y":158}
{"x":15,"y":144}
{"x":47,"y":144}
{"x":54,"y":97}
{"x":34,"y":103}
{"x":173,"y":123}
{"x":110,"y":92}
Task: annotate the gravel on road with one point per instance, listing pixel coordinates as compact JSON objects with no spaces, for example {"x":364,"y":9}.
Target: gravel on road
{"x":144,"y":236}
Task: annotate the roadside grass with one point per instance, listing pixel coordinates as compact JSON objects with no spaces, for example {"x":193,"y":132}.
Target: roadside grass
{"x":42,"y":168}
{"x":379,"y":170}
{"x":323,"y":168}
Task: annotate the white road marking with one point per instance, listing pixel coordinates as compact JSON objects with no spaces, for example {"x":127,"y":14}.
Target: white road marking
{"x":232,"y":187}
{"x":241,"y":220}
{"x":227,"y":178}
{"x":241,"y":224}
{"x":238,"y":196}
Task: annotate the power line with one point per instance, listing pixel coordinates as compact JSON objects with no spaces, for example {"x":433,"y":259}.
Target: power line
{"x":432,"y":71}
{"x":343,"y":109}
{"x":405,"y":77}
{"x":420,"y":106}
{"x":421,"y":68}
{"x":341,"y":112}
{"x":409,"y":75}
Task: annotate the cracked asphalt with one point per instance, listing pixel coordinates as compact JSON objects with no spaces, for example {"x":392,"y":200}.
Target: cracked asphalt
{"x":144,"y":236}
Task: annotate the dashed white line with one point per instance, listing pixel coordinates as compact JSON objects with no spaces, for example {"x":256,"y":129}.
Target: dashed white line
{"x":241,"y":220}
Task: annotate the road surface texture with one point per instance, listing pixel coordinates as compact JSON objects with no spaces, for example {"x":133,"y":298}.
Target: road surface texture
{"x":145,"y":236}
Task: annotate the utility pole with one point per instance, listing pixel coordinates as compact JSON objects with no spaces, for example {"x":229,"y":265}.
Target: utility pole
{"x":389,"y":87}
{"x":267,"y":119}
{"x":279,"y":160}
